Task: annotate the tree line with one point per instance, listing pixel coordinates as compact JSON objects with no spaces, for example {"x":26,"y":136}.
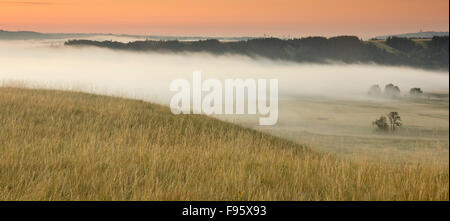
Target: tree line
{"x":432,"y":54}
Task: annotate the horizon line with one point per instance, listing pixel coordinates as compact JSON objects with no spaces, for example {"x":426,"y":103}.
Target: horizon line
{"x":225,"y":37}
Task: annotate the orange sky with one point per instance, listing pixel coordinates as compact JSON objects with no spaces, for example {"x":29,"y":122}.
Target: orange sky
{"x":364,"y":18}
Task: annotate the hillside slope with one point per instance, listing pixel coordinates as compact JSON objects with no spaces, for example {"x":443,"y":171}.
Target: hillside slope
{"x":73,"y":146}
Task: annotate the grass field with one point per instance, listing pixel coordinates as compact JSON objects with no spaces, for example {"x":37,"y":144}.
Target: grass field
{"x":73,"y":146}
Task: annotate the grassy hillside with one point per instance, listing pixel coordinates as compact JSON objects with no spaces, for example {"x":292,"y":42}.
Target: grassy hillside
{"x":72,"y":146}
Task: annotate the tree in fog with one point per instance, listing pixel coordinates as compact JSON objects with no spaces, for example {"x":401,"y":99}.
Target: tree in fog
{"x":383,"y":124}
{"x":415,"y":92}
{"x":394,"y":120}
{"x":375,"y":90}
{"x":392,"y":90}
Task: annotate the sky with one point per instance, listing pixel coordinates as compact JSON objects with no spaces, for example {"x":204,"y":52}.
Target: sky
{"x":280,"y":18}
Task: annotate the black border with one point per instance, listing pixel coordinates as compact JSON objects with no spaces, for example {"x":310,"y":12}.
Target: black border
{"x":173,"y":209}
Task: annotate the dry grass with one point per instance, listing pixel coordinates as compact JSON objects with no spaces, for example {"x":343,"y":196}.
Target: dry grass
{"x":72,"y":146}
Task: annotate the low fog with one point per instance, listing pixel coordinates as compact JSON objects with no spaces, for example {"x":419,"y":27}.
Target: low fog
{"x":147,"y":76}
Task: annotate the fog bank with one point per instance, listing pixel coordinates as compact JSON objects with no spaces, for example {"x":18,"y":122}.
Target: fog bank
{"x":147,"y":76}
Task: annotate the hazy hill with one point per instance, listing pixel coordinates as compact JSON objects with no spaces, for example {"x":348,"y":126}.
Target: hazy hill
{"x":430,"y":54}
{"x":74,"y":146}
{"x":30,"y":35}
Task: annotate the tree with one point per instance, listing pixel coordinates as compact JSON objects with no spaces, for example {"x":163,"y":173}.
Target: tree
{"x":375,"y":90}
{"x":392,"y":90}
{"x":402,"y":44}
{"x":415,"y":91}
{"x":395,"y":120}
{"x":381,"y":123}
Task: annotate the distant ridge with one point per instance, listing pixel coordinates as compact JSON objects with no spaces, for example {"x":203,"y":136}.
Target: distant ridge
{"x":31,"y":35}
{"x":426,"y":34}
{"x":429,"y":54}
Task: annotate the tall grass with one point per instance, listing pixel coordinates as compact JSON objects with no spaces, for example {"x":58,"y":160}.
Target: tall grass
{"x":73,"y":146}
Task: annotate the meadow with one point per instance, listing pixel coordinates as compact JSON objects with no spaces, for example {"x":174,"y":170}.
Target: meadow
{"x":344,"y":127}
{"x":59,"y":145}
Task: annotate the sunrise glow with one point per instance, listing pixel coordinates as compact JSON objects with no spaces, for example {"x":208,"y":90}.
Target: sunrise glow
{"x":227,"y":17}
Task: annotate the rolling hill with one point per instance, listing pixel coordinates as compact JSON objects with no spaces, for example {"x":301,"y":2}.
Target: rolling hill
{"x":59,"y":145}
